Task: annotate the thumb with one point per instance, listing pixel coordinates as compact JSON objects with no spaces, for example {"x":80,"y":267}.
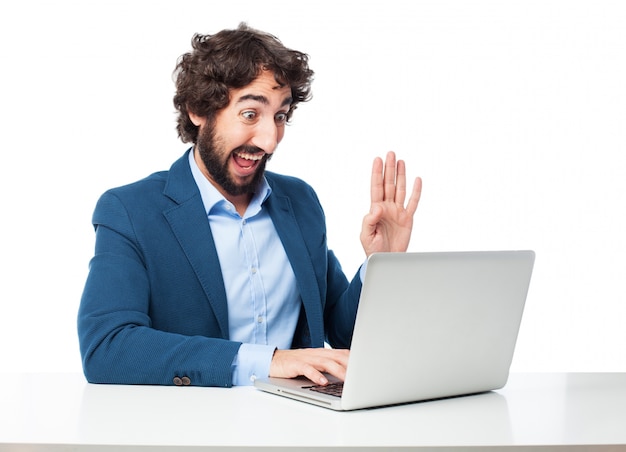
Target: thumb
{"x":372,"y":218}
{"x":376,"y":211}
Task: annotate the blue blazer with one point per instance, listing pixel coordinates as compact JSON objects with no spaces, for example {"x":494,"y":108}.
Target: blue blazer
{"x":154,"y":305}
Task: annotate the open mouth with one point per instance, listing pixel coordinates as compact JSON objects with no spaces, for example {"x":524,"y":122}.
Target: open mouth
{"x":247,"y":161}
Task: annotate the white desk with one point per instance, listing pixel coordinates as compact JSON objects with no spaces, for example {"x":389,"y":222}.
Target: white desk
{"x":59,"y":412}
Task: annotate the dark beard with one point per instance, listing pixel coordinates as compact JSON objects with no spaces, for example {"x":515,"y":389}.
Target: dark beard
{"x":218,"y":169}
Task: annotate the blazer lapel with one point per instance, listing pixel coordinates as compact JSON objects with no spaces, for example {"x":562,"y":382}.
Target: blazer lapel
{"x":282,"y":215}
{"x":189,"y":224}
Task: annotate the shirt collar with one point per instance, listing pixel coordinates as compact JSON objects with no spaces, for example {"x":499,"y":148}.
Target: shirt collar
{"x":211,"y":197}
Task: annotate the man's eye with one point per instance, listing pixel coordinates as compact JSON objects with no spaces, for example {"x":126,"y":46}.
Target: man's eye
{"x":281,"y":118}
{"x":249,"y":115}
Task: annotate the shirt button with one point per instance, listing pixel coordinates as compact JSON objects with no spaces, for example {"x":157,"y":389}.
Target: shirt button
{"x":259,"y":319}
{"x":178,"y":381}
{"x":253,"y":270}
{"x":186,"y":381}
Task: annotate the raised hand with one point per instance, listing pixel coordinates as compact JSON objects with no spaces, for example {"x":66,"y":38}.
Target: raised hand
{"x":388,"y":225}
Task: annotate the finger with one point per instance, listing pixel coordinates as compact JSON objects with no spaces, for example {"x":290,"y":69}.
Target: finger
{"x":315,"y":376}
{"x":376,"y":187}
{"x":341,"y":356}
{"x":371,"y":219}
{"x":390,"y":176}
{"x":333,"y":362}
{"x":416,"y":194}
{"x":400,"y":183}
{"x":368,"y":227}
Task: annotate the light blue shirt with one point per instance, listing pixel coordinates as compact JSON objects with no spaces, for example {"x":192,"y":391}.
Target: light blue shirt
{"x":263,"y":299}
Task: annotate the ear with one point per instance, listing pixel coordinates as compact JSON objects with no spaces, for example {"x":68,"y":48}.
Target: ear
{"x":198,"y":121}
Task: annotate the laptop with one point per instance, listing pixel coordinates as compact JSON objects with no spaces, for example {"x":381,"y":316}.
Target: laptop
{"x":429,"y":326}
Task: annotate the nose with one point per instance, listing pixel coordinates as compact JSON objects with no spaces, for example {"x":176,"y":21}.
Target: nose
{"x":267,"y":135}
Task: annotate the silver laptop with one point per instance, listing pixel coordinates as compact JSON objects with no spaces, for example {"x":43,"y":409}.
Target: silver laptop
{"x":428,"y":326}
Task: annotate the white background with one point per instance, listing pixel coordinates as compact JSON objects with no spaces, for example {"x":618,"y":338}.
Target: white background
{"x":513,"y":113}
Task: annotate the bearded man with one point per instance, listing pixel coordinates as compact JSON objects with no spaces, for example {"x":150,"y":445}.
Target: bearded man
{"x":217,"y":271}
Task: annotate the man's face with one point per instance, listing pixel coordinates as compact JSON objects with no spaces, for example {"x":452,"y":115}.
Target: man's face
{"x":245,"y":134}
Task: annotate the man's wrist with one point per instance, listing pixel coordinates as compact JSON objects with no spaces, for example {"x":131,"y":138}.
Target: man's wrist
{"x":252,"y":361}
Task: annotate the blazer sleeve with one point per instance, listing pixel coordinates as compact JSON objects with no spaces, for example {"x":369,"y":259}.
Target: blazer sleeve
{"x":342,"y":302}
{"x":118,"y":342}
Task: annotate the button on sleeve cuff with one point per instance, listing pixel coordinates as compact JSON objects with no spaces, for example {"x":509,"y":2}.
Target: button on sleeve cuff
{"x":252,"y":362}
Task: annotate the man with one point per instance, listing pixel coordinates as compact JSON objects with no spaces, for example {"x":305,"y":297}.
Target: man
{"x":216,"y":272}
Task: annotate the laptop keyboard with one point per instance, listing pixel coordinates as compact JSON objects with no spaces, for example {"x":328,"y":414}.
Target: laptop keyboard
{"x":333,"y":389}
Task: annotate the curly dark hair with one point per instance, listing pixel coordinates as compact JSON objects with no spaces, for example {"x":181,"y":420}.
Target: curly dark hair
{"x":228,"y":60}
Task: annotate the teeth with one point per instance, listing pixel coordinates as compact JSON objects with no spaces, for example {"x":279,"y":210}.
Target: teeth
{"x":252,"y":157}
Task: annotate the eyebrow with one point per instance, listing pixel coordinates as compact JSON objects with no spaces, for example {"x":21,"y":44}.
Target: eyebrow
{"x":262,"y":99}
